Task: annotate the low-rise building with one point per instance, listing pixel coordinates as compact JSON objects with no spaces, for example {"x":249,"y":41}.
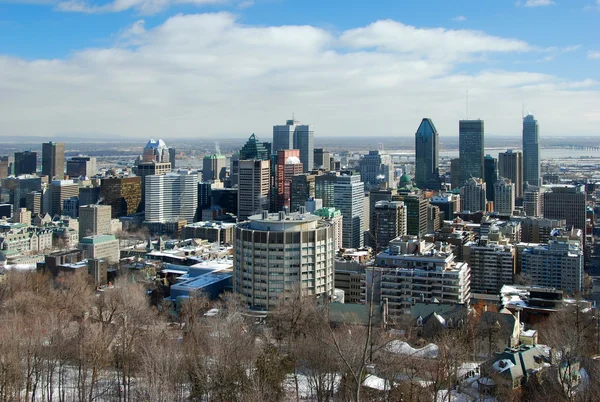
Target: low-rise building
{"x":214,"y":232}
{"x":105,"y":247}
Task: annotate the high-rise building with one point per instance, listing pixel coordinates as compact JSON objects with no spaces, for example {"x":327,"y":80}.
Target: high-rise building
{"x":531,"y":151}
{"x":53,"y":160}
{"x":427,"y":172}
{"x":539,"y":230}
{"x":448,"y":205}
{"x":19,"y":187}
{"x":302,"y":190}
{"x":214,"y":167}
{"x":61,"y":190}
{"x":455,"y":173}
{"x":294,"y":135}
{"x":253,"y":187}
{"x":390,"y":222}
{"x":288,"y":166}
{"x":470,"y":146}
{"x":81,"y":166}
{"x":324,"y":188}
{"x":322,"y":159}
{"x":434,"y":218}
{"x":376,"y":168}
{"x":305,"y":246}
{"x":145,"y":169}
{"x":566,"y":202}
{"x":492,"y":261}
{"x":490,"y":176}
{"x":171,"y":197}
{"x":558,"y":264}
{"x":472,"y":195}
{"x":123,"y":194}
{"x":349,"y":194}
{"x":504,"y":191}
{"x":416,"y":212}
{"x":94,"y":220}
{"x":374,"y":197}
{"x":156,"y":151}
{"x":7,"y":164}
{"x":533,"y":201}
{"x":510,"y":166}
{"x":334,"y":217}
{"x":25,"y":163}
{"x":254,"y":149}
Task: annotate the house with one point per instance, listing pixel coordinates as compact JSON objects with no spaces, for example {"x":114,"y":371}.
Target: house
{"x":497,"y":331}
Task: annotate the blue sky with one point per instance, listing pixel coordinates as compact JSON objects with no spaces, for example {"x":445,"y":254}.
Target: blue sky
{"x":345,"y":66}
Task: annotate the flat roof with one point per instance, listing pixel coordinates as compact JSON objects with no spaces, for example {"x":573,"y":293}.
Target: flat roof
{"x":97,"y":239}
{"x":202,"y":281}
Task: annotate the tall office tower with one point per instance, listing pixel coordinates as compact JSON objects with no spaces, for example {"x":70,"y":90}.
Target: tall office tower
{"x":226,"y":198}
{"x":510,"y":165}
{"x":253,"y":187}
{"x":374,"y":197}
{"x":94,"y":220}
{"x":349,"y":194}
{"x":254,"y":149}
{"x":53,"y":160}
{"x":490,"y":176}
{"x":262,"y":280}
{"x":123,"y":194}
{"x":288,"y":166}
{"x":334,"y":217}
{"x":470,"y":146}
{"x":33,"y":202}
{"x":7,"y":164}
{"x":505,"y":197}
{"x":566,"y":202}
{"x":155,"y":161}
{"x":322,"y":159}
{"x":89,"y":195}
{"x":416,"y":213}
{"x":302,"y":190}
{"x":25,"y":163}
{"x":171,"y":197}
{"x":472,"y":195}
{"x":172,"y":157}
{"x":558,"y":264}
{"x":234,"y":167}
{"x":531,"y":151}
{"x":19,"y":187}
{"x":156,"y":151}
{"x":214,"y":167}
{"x":533,"y":201}
{"x":61,"y":190}
{"x":455,"y":172}
{"x":324,"y":188}
{"x":390,"y":222}
{"x":81,"y":166}
{"x":376,"y":168}
{"x":492,"y":261}
{"x":294,"y":135}
{"x":427,"y":149}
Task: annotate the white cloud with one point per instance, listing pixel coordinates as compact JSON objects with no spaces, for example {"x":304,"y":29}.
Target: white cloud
{"x":459,"y":18}
{"x":208,"y":75}
{"x":593,"y":54}
{"x":538,"y":3}
{"x":145,"y":7}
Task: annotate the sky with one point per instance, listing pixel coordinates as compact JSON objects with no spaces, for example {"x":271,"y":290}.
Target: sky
{"x":228,"y":68}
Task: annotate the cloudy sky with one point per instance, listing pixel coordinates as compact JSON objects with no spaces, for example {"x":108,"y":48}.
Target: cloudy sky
{"x":227,"y":68}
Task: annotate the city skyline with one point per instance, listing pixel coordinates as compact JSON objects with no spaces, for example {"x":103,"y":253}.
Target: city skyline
{"x":145,"y":69}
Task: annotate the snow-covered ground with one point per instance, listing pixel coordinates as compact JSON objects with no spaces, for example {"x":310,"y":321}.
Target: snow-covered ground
{"x":429,"y":351}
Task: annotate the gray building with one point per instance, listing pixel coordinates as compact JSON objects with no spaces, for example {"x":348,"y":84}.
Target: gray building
{"x":470,"y":147}
{"x":531,"y":151}
{"x":427,"y":172}
{"x":376,"y":168}
{"x":566,"y":202}
{"x":53,"y":160}
{"x":294,"y":135}
{"x":510,"y":166}
{"x":349,"y":195}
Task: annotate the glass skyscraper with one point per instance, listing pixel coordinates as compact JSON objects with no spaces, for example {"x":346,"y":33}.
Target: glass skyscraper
{"x":531,"y":151}
{"x":490,"y":176}
{"x":294,"y":135}
{"x":470,"y":148}
{"x":427,"y":174}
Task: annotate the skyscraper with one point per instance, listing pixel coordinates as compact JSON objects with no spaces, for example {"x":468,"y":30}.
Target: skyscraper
{"x":510,"y":165}
{"x":94,"y":220}
{"x":390,"y":222}
{"x":470,"y":146}
{"x":81,"y":166}
{"x":531,"y":151}
{"x":472,"y":195}
{"x":214,"y":167}
{"x":294,"y":135}
{"x":25,"y":163}
{"x":427,"y":173}
{"x":53,"y":160}
{"x":123,"y":194}
{"x":253,"y":187}
{"x":171,"y":197}
{"x":349,"y":194}
{"x":288,"y":166}
{"x":504,"y":191}
{"x":254,"y":149}
{"x":566,"y":202}
{"x":375,"y":168}
{"x":490,"y":176}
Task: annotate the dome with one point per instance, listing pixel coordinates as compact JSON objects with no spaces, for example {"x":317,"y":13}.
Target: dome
{"x":405,"y":179}
{"x":292,"y":160}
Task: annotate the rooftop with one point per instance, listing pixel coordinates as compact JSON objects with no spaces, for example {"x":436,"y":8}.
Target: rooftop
{"x":98,"y":239}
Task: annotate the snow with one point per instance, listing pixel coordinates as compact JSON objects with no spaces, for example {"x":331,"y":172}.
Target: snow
{"x":529,"y":333}
{"x":21,"y":267}
{"x":378,"y":383}
{"x":430,"y":351}
{"x":306,"y":385}
{"x":502,"y":365}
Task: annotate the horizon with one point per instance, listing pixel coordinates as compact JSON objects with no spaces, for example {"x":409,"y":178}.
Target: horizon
{"x":84,"y":68}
